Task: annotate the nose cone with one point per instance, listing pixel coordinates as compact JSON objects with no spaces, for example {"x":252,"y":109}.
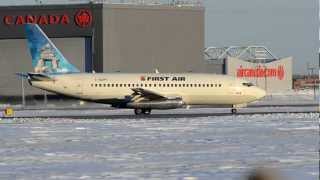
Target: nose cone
{"x":260,"y":93}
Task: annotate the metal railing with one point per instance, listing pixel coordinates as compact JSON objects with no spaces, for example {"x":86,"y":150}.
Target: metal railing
{"x":248,"y":53}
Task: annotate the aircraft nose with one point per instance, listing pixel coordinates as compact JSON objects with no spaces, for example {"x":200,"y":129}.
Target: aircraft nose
{"x":260,"y":93}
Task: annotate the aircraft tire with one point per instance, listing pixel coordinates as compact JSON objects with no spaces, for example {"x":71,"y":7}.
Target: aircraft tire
{"x":142,"y":111}
{"x":233,"y":111}
{"x":138,"y":111}
{"x":147,"y":111}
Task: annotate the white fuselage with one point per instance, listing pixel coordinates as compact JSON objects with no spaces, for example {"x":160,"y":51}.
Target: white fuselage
{"x":193,"y":89}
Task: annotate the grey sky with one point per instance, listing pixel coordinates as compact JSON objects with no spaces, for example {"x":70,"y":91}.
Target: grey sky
{"x":287,"y":27}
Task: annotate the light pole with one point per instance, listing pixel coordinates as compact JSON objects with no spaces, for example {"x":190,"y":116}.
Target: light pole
{"x":311,"y":70}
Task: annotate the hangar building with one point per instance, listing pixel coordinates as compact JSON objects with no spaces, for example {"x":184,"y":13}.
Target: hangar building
{"x":104,"y":38}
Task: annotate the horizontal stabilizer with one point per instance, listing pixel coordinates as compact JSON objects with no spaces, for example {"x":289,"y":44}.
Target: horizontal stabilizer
{"x":40,"y":77}
{"x":35,"y":76}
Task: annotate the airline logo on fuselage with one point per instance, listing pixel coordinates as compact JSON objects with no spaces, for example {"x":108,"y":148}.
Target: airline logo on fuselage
{"x":162,"y":78}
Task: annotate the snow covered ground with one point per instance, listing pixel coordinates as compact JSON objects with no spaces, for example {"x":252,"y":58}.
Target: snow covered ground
{"x":223,"y":148}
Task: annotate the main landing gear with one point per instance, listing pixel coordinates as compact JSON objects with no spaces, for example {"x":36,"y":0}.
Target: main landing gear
{"x":142,"y":111}
{"x":233,"y":111}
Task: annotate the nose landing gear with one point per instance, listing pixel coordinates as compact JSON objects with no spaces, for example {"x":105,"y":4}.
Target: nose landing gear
{"x":142,"y":111}
{"x":233,"y":111}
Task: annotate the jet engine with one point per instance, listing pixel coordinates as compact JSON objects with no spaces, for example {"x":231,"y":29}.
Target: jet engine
{"x":160,"y":104}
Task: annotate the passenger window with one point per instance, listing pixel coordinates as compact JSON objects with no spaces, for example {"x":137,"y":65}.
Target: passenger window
{"x":220,"y":85}
{"x":208,"y":85}
{"x":150,"y":85}
{"x":171,"y":85}
{"x":124,"y":85}
{"x":154,"y":85}
{"x":116,"y":85}
{"x":190,"y":85}
{"x":120,"y":85}
{"x":168,"y":85}
{"x":104,"y":85}
{"x":100,"y":85}
{"x":175,"y":85}
{"x":179,"y":85}
{"x":195,"y":85}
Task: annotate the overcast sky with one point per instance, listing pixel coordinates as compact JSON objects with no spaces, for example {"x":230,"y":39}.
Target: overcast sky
{"x":286,"y":27}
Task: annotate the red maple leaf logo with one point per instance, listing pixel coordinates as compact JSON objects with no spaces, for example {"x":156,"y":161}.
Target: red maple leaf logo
{"x":83,"y":18}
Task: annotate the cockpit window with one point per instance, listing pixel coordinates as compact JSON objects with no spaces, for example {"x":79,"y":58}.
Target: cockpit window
{"x":248,"y":84}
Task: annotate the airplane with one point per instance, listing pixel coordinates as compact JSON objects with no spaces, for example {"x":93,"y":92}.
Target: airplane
{"x":142,"y":92}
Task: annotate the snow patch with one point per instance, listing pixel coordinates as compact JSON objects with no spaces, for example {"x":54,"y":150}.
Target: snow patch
{"x":300,"y":128}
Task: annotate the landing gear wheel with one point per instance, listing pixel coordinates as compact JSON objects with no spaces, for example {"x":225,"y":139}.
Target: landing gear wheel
{"x":233,"y":111}
{"x":147,"y":111}
{"x":138,"y":111}
{"x":142,"y":111}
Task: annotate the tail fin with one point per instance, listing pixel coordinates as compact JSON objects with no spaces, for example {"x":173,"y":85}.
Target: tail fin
{"x":46,"y":57}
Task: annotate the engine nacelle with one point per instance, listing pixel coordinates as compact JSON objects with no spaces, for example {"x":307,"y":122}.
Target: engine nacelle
{"x":165,"y":104}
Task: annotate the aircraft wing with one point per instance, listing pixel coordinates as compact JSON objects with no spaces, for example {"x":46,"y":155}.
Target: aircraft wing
{"x":148,"y":94}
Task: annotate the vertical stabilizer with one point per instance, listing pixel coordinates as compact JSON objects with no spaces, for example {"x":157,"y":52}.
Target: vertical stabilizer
{"x":46,"y":57}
